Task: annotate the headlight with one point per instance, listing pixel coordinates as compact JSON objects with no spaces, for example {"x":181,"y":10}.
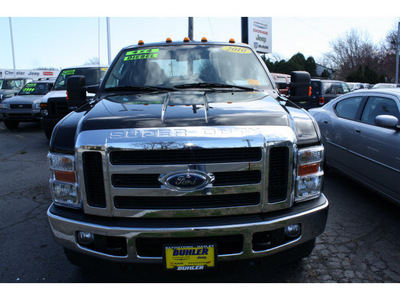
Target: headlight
{"x":4,"y":105}
{"x":309,"y":173}
{"x":63,"y":185}
{"x":36,"y":106}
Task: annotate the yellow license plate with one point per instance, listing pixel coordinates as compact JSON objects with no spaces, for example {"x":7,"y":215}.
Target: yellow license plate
{"x":190,"y":257}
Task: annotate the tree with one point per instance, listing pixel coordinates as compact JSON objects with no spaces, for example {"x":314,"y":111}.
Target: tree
{"x":296,"y":63}
{"x":352,"y":51}
{"x":92,"y":61}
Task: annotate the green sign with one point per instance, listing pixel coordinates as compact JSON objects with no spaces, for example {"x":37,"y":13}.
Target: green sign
{"x":68,"y":72}
{"x":141,"y":54}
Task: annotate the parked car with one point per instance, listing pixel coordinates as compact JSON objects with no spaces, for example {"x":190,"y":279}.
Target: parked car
{"x":55,"y":105}
{"x":322,"y":91}
{"x":282,"y":81}
{"x":361,"y":135}
{"x":385,"y":86}
{"x":11,"y":86}
{"x":353,"y":86}
{"x":25,"y":106}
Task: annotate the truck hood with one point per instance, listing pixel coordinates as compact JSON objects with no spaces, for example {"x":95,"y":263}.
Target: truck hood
{"x":24,"y":99}
{"x":181,"y":109}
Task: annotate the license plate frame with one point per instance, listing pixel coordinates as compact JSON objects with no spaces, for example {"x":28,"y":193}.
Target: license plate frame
{"x":190,"y":256}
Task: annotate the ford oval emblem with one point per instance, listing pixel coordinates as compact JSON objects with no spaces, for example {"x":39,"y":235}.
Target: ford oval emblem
{"x":188,"y":180}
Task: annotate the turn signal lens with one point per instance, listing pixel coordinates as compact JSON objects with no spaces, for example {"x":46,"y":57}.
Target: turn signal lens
{"x":65,"y":176}
{"x":43,"y":105}
{"x":308,"y":169}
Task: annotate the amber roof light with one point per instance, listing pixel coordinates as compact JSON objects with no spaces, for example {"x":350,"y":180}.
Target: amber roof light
{"x":168,"y":40}
{"x":204,"y":40}
{"x":140,"y":42}
{"x":232,"y":41}
{"x":186,"y":40}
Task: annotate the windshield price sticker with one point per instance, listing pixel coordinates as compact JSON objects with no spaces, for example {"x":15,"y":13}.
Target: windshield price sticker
{"x":141,"y":54}
{"x":240,"y":50}
{"x":194,"y":257}
{"x":68,"y":72}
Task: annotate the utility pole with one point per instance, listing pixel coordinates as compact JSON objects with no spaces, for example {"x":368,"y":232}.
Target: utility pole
{"x":397,"y":53}
{"x":108,"y":41}
{"x":12,"y":45}
{"x":191,"y":28}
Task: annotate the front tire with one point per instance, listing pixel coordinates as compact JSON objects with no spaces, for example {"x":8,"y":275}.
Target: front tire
{"x":11,"y":124}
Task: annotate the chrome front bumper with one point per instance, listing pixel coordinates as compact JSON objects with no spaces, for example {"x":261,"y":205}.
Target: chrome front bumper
{"x":311,"y":215}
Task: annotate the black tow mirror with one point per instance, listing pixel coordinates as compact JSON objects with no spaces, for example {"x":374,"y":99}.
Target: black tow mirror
{"x":92,"y":88}
{"x":76,"y":91}
{"x":300,"y":86}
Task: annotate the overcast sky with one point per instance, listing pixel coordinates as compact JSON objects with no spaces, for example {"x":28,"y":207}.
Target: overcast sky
{"x":72,"y":36}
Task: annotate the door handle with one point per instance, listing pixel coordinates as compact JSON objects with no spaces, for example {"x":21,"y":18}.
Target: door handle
{"x":357,"y":130}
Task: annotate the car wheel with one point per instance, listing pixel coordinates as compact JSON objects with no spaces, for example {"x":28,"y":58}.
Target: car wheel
{"x":11,"y":124}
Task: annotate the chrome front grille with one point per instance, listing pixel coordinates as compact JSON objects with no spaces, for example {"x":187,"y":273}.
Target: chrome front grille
{"x":251,"y":175}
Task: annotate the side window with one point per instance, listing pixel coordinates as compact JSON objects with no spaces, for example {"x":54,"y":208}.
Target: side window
{"x":328,"y":87}
{"x":346,"y":89}
{"x":379,"y":106}
{"x":348,"y":108}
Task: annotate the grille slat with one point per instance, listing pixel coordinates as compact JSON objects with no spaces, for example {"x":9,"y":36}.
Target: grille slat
{"x":187,"y":202}
{"x":278,"y":174}
{"x":186,"y":156}
{"x":151,"y":180}
{"x":94,"y":182}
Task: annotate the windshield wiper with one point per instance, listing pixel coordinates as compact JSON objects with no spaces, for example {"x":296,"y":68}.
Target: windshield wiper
{"x":211,"y":85}
{"x":133,"y":88}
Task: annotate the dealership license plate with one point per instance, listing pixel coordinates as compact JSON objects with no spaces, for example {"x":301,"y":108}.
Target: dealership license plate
{"x":190,"y":257}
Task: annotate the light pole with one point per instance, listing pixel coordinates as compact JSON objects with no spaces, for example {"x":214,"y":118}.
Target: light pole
{"x":397,"y":54}
{"x":108,"y":41}
{"x":12,"y":45}
{"x":191,"y":28}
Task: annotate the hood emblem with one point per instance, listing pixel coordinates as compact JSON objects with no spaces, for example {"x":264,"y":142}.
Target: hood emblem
{"x":186,"y":180}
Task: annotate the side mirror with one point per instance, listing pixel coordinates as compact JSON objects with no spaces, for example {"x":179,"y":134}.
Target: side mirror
{"x":93,"y":88}
{"x":300,"y":86}
{"x":387,"y":121}
{"x":76,"y":91}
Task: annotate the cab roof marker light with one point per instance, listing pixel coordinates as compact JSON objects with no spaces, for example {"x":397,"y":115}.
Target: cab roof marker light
{"x":204,"y":40}
{"x":186,"y":40}
{"x":168,"y":40}
{"x":232,"y":41}
{"x":140,"y":42}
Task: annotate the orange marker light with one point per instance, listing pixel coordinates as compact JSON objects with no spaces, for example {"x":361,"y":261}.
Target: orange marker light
{"x":232,"y":41}
{"x":140,"y":42}
{"x":168,"y":40}
{"x":308,"y":169}
{"x":186,"y":40}
{"x":204,"y":40}
{"x":65,"y":176}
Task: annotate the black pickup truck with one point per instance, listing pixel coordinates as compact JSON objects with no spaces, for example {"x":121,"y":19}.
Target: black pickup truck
{"x":187,"y":156}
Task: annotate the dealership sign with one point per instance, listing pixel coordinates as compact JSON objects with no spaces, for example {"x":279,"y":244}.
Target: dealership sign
{"x":257,"y":32}
{"x":34,"y":74}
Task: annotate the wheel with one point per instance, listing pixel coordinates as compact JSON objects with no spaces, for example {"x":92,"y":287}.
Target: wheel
{"x":11,"y":124}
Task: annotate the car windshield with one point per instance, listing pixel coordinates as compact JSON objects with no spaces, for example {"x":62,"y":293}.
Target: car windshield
{"x":181,"y":67}
{"x":11,"y":84}
{"x":93,"y":76}
{"x":35,"y":89}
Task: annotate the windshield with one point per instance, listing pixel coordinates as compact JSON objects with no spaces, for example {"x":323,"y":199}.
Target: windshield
{"x":188,"y":66}
{"x":93,"y":76}
{"x":11,"y":84}
{"x":36,"y":89}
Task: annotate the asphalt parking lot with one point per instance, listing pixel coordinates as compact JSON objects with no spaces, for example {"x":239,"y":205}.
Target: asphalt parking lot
{"x":360,"y":244}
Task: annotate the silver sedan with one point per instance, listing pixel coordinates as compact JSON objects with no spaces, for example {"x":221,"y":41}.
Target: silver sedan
{"x":361,"y":134}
